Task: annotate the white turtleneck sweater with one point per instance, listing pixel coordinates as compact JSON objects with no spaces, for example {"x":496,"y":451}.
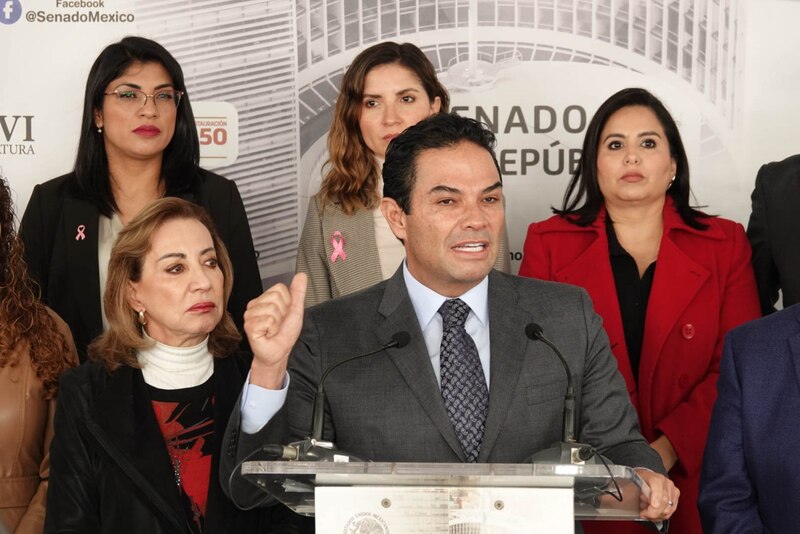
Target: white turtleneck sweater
{"x":166,"y":367}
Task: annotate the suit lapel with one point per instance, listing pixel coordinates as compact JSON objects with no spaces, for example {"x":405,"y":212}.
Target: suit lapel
{"x":508,"y":347}
{"x":358,"y":232}
{"x":412,"y":361}
{"x":124,"y":422}
{"x":80,"y":238}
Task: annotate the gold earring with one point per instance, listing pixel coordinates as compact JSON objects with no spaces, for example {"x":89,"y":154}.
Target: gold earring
{"x":142,"y":318}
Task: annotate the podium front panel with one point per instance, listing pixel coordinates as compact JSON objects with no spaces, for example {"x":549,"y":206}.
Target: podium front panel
{"x":443,"y":510}
{"x":599,"y":492}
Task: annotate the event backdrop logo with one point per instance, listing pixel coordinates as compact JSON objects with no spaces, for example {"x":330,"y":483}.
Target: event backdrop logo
{"x":10,"y":11}
{"x":16,"y":135}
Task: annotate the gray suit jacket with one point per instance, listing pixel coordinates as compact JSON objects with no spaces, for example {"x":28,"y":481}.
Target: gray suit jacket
{"x":330,"y":279}
{"x":388,"y":407}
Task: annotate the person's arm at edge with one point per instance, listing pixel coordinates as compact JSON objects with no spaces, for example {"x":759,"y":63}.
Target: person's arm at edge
{"x":33,"y":518}
{"x":728,"y":502}
{"x":758,"y":233}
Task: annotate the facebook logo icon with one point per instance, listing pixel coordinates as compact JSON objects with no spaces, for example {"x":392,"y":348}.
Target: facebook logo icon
{"x":10,"y":11}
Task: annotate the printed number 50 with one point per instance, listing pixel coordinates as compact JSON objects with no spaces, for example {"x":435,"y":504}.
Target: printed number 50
{"x":217,"y":136}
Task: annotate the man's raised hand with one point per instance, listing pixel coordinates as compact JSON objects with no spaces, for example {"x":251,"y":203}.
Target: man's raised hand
{"x":272,"y":323}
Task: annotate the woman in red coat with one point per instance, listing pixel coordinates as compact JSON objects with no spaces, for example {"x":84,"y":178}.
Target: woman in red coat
{"x":668,"y":280}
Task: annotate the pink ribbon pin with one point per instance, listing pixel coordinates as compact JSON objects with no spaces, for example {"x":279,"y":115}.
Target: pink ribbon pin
{"x":81,"y":236}
{"x":337,"y":242}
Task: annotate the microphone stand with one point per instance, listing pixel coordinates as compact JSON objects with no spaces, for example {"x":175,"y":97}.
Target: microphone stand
{"x":568,"y":451}
{"x":314,"y":448}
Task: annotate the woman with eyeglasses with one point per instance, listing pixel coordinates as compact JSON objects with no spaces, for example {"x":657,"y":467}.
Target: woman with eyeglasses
{"x":138,"y":143}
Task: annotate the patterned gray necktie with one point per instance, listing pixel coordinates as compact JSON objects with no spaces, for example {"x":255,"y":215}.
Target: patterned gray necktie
{"x":464,"y":390}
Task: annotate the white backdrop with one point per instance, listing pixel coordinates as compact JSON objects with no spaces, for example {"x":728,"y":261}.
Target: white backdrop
{"x":263,"y":76}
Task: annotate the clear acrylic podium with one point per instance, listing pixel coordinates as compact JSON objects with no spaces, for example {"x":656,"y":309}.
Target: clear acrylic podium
{"x":459,"y":498}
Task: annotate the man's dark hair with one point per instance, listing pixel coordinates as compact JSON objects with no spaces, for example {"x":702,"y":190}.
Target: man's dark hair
{"x":442,"y":130}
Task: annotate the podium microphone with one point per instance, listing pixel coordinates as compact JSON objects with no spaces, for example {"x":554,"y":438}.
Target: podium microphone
{"x":314,"y":449}
{"x":398,"y":340}
{"x":568,"y":451}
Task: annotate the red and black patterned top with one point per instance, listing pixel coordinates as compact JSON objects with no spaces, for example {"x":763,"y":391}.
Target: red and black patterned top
{"x":186,"y":419}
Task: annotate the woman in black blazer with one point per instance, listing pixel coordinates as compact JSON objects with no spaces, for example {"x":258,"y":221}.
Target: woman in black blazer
{"x":138,"y":143}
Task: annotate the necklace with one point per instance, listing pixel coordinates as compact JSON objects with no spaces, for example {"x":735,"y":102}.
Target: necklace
{"x":177,"y":455}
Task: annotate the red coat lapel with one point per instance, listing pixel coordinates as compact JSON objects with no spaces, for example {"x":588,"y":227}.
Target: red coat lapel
{"x":592,"y":271}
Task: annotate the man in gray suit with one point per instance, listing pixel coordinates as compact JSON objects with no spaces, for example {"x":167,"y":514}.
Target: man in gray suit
{"x":478,"y":391}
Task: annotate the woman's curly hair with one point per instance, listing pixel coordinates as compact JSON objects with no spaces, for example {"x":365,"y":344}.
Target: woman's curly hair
{"x":22,"y":316}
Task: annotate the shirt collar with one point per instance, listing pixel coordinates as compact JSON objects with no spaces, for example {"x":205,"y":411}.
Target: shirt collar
{"x":426,"y":302}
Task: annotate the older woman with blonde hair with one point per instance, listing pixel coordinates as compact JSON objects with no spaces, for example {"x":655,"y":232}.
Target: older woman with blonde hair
{"x":346,"y":243}
{"x":35,"y":348}
{"x":139,"y":426}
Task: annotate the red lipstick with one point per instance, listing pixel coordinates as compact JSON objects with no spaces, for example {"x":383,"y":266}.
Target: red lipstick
{"x":147,"y":130}
{"x":203,"y":307}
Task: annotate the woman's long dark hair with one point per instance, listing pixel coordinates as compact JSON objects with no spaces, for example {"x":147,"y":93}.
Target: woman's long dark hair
{"x":182,"y":154}
{"x":583,"y":199}
{"x":23,"y":319}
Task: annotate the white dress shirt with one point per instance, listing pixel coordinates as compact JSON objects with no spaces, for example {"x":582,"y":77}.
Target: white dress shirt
{"x":426,"y":304}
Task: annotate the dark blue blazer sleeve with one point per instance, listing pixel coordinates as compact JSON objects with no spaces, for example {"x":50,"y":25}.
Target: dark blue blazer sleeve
{"x":728,"y":500}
